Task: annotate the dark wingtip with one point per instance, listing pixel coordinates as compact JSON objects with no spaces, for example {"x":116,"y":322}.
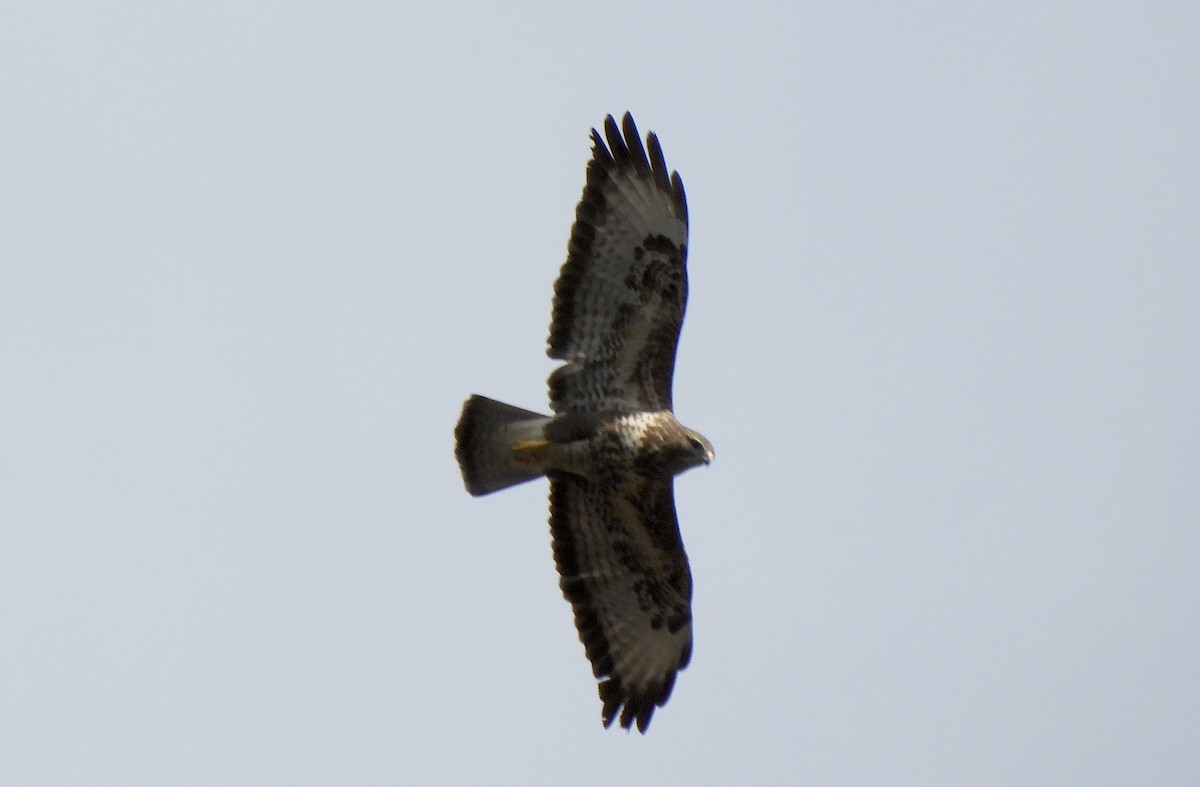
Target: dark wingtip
{"x":599,"y":149}
{"x":680,"y":197}
{"x":616,"y":143}
{"x":633,"y":709}
{"x":658,"y":163}
{"x":633,"y":143}
{"x":621,"y":146}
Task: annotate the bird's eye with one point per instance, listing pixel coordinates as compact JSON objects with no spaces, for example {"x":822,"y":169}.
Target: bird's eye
{"x":696,"y":444}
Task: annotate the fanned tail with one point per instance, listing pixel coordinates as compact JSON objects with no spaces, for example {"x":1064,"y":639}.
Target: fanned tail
{"x":495,"y":443}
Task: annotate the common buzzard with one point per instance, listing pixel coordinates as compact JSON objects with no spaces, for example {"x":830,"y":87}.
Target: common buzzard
{"x":613,"y":446}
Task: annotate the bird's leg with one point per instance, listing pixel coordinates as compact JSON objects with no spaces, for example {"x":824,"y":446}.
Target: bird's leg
{"x":528,"y":451}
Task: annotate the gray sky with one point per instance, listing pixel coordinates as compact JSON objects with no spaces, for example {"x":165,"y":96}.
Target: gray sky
{"x":943,"y":334}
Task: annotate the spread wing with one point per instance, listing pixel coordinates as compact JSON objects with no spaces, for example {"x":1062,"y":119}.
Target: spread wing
{"x":622,"y":566}
{"x":620,"y":297}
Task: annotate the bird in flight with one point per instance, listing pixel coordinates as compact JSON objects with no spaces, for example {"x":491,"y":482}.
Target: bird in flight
{"x":613,"y":446}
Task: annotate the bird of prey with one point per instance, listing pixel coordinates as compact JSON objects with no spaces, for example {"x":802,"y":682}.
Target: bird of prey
{"x":612,"y":447}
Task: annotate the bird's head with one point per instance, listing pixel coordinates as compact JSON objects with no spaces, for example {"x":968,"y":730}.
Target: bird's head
{"x":691,"y":449}
{"x":701,"y":448}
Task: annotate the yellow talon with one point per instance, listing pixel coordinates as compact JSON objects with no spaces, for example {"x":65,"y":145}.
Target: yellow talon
{"x":526,"y":446}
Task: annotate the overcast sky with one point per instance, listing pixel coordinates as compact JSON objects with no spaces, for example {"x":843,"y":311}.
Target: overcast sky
{"x":944,"y":333}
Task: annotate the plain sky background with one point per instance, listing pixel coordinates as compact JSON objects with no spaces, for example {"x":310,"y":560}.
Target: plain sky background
{"x":944,"y":333}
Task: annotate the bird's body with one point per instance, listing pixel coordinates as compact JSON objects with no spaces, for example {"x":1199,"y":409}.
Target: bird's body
{"x":613,"y":445}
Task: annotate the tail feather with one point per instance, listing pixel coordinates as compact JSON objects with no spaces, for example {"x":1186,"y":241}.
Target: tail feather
{"x":485,"y":438}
